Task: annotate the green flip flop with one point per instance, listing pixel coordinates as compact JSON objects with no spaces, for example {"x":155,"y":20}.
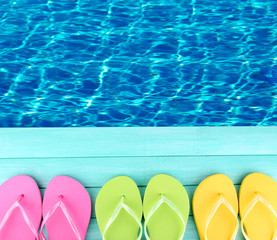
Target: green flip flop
{"x":118,"y":210}
{"x":165,"y":209}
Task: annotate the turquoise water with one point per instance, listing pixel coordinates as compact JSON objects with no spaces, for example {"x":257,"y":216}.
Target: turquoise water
{"x":138,"y":63}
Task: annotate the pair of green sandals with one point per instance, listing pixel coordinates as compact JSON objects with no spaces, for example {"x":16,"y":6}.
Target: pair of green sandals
{"x":165,"y":206}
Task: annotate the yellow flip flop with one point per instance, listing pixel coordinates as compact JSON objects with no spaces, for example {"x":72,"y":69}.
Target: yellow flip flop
{"x":118,"y":210}
{"x":215,"y":208}
{"x":165,"y":209}
{"x":258,"y":207}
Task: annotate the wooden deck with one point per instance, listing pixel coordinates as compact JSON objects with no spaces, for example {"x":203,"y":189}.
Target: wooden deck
{"x":95,"y":155}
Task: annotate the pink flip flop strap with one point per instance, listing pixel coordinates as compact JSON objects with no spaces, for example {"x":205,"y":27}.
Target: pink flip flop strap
{"x":67,"y":215}
{"x":26,"y":218}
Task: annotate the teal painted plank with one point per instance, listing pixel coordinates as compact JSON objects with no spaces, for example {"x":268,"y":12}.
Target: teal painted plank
{"x":94,"y":172}
{"x":191,"y":231}
{"x":168,"y":141}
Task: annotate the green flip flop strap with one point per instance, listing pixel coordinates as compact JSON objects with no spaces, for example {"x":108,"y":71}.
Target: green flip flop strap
{"x":118,"y":208}
{"x":257,"y":199}
{"x":219,"y":202}
{"x":155,"y":208}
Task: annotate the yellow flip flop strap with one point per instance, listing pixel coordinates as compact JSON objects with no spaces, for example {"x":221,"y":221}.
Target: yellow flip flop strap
{"x":252,"y":204}
{"x":219,"y":202}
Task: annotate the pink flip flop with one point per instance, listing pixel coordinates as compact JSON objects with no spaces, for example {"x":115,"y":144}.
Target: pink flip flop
{"x":66,"y":210}
{"x":20,"y":209}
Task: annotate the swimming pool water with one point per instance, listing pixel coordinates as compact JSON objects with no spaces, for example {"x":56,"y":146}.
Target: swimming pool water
{"x":138,"y":63}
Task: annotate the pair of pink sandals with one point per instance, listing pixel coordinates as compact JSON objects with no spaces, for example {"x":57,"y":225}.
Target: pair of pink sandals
{"x":66,"y":209}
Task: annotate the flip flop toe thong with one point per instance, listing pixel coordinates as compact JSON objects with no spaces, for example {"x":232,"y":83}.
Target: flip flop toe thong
{"x":258,"y":207}
{"x":20,"y":209}
{"x":119,"y":210}
{"x":66,"y":210}
{"x":165,"y":209}
{"x":215,"y":208}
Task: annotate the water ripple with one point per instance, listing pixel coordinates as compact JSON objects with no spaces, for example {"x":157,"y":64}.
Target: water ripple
{"x":138,"y":63}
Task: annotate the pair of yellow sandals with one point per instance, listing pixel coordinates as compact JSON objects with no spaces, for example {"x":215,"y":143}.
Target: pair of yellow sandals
{"x":216,"y":207}
{"x":165,"y":207}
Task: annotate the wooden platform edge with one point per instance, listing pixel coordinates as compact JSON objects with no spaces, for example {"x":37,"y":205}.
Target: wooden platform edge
{"x":136,"y":141}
